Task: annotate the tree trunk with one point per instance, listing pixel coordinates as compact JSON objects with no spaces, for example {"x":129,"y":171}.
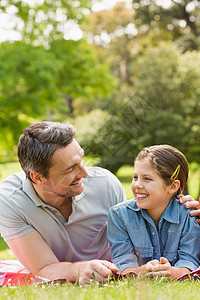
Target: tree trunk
{"x":70,"y":105}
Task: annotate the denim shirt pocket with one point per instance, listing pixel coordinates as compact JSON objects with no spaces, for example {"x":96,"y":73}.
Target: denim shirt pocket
{"x":143,"y":254}
{"x":172,"y":257}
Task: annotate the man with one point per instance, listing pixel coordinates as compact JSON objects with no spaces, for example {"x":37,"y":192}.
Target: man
{"x":53,"y":215}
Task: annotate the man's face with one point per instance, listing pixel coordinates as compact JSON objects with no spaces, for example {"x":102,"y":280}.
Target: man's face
{"x":65,"y":175}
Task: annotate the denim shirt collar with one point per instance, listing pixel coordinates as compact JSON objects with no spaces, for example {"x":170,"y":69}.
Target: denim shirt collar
{"x":170,"y":214}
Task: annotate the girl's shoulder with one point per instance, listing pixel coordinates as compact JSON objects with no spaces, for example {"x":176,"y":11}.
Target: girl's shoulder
{"x":125,"y":205}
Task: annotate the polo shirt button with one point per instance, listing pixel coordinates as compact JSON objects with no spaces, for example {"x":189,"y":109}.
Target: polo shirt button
{"x":153,"y":233}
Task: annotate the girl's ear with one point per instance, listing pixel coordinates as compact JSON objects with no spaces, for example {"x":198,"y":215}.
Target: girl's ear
{"x":37,"y":178}
{"x":175,"y":185}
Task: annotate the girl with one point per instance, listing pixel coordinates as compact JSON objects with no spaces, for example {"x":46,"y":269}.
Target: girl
{"x":153,"y":234}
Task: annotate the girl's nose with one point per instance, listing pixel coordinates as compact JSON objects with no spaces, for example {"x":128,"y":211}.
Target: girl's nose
{"x":139,"y":184}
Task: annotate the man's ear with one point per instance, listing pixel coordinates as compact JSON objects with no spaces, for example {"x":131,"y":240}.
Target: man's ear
{"x":37,"y":178}
{"x":175,"y":185}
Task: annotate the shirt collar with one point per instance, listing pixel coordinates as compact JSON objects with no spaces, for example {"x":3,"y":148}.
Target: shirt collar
{"x":30,"y":191}
{"x":170,"y":214}
{"x":78,"y":197}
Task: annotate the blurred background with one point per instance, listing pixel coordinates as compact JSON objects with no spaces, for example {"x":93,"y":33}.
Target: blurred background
{"x":125,"y":73}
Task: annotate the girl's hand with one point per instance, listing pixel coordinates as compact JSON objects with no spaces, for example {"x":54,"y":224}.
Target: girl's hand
{"x":162,"y":268}
{"x":148,"y":267}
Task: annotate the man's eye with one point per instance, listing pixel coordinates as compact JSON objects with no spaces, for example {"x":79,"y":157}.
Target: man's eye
{"x":70,"y":170}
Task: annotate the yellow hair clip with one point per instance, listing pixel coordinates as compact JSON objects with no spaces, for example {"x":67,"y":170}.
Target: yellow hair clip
{"x":175,"y":174}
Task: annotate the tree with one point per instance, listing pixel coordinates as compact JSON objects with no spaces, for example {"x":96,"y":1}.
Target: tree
{"x":82,"y":78}
{"x":36,"y":83}
{"x":112,"y":34}
{"x":162,"y":107}
{"x":43,"y":21}
{"x":27,"y":86}
{"x":179,"y":18}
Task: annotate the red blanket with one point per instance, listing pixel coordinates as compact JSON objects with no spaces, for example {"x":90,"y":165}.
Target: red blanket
{"x":13,"y":273}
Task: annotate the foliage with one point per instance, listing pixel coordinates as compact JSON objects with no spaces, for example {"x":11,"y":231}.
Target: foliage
{"x":44,"y":21}
{"x":27,"y":86}
{"x":82,"y":76}
{"x":41,"y":84}
{"x":179,"y":18}
{"x":156,"y":110}
{"x":112,"y":33}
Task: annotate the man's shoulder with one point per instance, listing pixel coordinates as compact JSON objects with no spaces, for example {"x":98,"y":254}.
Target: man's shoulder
{"x":96,"y":172}
{"x":102,"y":176}
{"x":105,"y":184}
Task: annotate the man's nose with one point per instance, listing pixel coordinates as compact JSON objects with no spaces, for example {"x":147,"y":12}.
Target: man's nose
{"x":83,"y":170}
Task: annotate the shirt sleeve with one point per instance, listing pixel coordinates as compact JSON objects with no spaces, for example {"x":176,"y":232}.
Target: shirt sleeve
{"x":122,"y":251}
{"x":189,"y":249}
{"x":12,"y":224}
{"x":117,"y":192}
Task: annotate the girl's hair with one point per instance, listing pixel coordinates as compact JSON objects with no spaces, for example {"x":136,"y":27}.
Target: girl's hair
{"x":165,"y":160}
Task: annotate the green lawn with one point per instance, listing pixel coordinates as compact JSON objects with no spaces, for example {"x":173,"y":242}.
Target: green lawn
{"x":139,"y":289}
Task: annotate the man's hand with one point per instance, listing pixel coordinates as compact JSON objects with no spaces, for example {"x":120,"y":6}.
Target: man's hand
{"x":86,"y":271}
{"x":191,"y":204}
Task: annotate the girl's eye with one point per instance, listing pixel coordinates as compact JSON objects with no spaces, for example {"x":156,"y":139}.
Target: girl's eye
{"x":135,"y":177}
{"x":147,"y":178}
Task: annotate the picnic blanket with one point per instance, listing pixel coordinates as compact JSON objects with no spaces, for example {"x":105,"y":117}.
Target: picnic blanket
{"x":13,"y":273}
{"x":194,"y":275}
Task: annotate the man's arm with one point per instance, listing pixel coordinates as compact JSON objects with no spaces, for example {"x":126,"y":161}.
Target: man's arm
{"x":191,"y":203}
{"x":32,"y":251}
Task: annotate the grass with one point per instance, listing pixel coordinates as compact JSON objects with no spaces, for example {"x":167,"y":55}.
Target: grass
{"x":138,"y":289}
{"x":8,"y":168}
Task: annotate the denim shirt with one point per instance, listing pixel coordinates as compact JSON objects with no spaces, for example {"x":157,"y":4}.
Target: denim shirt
{"x":135,"y":239}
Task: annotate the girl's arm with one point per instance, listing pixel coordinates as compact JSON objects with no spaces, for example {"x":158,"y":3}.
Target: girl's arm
{"x":122,"y":249}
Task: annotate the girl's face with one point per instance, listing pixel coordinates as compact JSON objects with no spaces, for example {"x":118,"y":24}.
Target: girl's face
{"x":149,"y":189}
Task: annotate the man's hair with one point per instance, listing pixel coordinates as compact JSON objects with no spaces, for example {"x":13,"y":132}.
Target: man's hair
{"x":165,"y":160}
{"x":38,"y":143}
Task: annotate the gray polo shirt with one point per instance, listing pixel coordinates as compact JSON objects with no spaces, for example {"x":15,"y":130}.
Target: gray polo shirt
{"x":83,"y":237}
